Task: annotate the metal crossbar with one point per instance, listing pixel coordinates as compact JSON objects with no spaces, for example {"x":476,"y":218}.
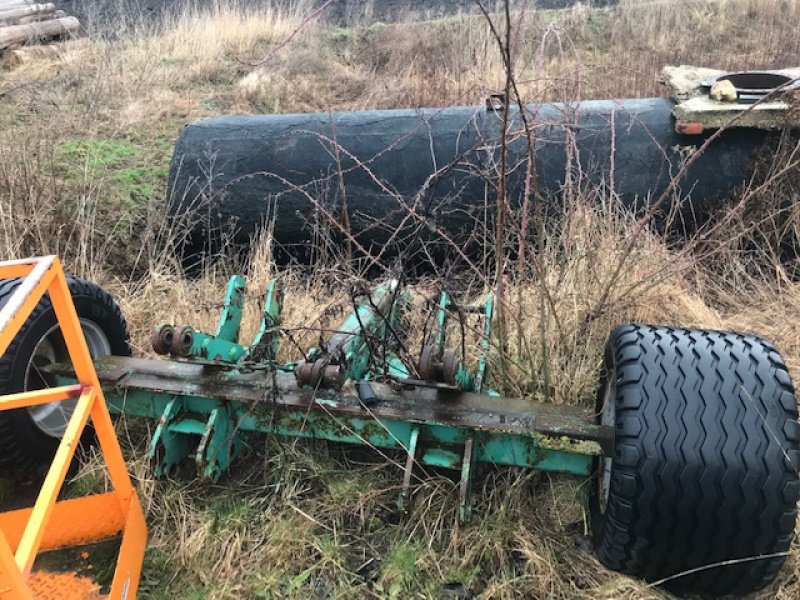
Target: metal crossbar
{"x":52,"y":524}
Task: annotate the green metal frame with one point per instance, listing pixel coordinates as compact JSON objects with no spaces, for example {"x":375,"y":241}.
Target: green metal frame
{"x":205,"y":402}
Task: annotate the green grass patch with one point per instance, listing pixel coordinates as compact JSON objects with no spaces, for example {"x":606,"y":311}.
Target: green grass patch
{"x":86,"y":483}
{"x":95,"y":153}
{"x":231,"y":514}
{"x":400,"y":575}
{"x":129,"y":173}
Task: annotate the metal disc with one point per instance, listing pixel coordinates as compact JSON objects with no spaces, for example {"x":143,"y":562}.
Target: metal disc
{"x":425,"y":366}
{"x":450,"y":366}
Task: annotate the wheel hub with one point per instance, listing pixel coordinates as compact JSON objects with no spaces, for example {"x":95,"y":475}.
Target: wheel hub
{"x":52,"y":418}
{"x":607,"y":417}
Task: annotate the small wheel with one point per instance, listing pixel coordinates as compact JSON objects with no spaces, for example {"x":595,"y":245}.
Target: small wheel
{"x":29,"y":436}
{"x":161,"y":338}
{"x":182,"y":339}
{"x":425,"y":366}
{"x":450,"y":365}
{"x":701,"y":490}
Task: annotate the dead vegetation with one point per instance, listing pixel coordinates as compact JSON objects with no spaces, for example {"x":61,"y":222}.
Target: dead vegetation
{"x":85,"y":140}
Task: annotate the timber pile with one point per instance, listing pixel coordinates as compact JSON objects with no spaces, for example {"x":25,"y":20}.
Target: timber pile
{"x":25,"y":22}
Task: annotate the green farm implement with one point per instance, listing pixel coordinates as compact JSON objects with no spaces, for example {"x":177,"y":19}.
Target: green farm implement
{"x":352,"y":388}
{"x":690,"y":454}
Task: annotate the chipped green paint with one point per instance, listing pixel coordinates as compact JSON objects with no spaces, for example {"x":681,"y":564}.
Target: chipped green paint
{"x":373,"y":318}
{"x":223,"y":347}
{"x":488,"y":314}
{"x":441,"y":457}
{"x":265,"y":345}
{"x":231,"y":319}
{"x":441,"y":323}
{"x":215,"y":349}
{"x":441,"y":444}
{"x":167,"y":447}
{"x":395,"y":367}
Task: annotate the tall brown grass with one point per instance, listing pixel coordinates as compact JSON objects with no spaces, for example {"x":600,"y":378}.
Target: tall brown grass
{"x":84,"y":144}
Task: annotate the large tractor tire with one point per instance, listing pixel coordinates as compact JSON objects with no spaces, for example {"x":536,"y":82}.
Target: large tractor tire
{"x":30,"y":436}
{"x":701,"y":491}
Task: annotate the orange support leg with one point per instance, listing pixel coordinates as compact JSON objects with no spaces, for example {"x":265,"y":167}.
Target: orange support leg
{"x":50,"y":524}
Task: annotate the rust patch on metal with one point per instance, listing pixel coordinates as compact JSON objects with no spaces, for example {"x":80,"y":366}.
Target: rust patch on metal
{"x":182,"y":341}
{"x":689,"y":127}
{"x":319,"y":374}
{"x":415,"y":404}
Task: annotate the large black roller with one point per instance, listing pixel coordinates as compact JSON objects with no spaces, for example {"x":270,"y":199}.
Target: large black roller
{"x":235,"y":172}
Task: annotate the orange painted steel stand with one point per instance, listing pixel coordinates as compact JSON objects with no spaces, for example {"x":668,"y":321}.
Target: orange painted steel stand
{"x":50,"y":524}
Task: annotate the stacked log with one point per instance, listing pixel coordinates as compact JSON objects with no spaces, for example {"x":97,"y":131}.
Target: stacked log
{"x":13,"y":58}
{"x":25,"y":22}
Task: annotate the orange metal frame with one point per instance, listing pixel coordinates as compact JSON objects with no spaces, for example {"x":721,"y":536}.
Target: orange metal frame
{"x":52,"y":524}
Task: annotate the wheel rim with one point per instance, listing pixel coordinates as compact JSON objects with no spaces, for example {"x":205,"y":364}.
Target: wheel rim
{"x":52,"y":418}
{"x":607,"y":417}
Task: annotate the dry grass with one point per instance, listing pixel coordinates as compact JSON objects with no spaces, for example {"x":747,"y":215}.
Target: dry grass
{"x":84,"y":146}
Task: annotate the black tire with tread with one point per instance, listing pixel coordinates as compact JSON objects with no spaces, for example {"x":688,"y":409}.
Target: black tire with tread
{"x":705,"y":462}
{"x":23,"y":447}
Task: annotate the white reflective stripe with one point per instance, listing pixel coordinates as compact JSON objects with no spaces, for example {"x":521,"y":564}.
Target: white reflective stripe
{"x":23,"y":291}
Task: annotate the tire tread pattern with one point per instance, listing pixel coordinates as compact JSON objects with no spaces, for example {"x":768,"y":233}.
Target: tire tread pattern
{"x":705,"y":466}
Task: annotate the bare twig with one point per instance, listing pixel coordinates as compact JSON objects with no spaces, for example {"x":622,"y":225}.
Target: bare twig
{"x":275,"y":49}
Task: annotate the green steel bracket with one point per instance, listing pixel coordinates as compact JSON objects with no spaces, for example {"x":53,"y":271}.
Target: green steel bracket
{"x":441,"y":324}
{"x":266,"y":344}
{"x":213,"y":348}
{"x":367,"y":334}
{"x":168,"y":448}
{"x":488,"y":314}
{"x":465,"y":484}
{"x":231,"y":318}
{"x":223,"y":345}
{"x":411,"y":459}
{"x":219,"y":443}
{"x":395,"y":368}
{"x":223,"y":348}
{"x":465,"y":380}
{"x":372,"y":319}
{"x":217,"y":440}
